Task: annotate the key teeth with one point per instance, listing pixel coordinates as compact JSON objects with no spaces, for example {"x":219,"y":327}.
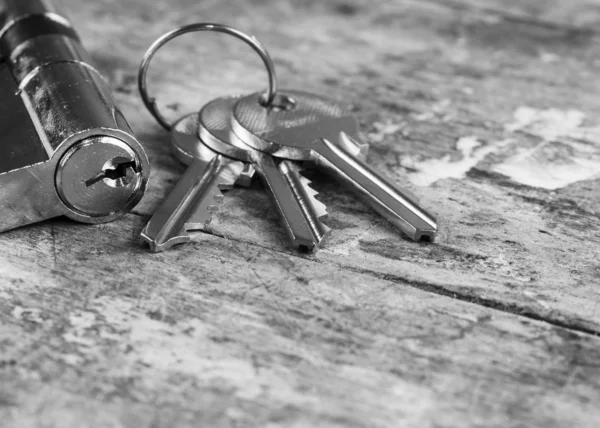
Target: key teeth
{"x":192,"y":202}
{"x":320,"y":207}
{"x":203,"y":215}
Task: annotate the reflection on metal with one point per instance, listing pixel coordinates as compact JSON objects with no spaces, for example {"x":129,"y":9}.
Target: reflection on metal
{"x":66,"y":148}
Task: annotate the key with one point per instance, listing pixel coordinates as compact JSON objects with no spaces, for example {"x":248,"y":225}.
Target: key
{"x":304,"y":126}
{"x":189,"y":206}
{"x":289,"y":191}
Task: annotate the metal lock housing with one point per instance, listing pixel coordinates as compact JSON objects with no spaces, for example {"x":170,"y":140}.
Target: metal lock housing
{"x":66,"y":148}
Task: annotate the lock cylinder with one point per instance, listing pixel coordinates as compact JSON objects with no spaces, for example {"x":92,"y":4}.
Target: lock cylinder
{"x":63,"y":125}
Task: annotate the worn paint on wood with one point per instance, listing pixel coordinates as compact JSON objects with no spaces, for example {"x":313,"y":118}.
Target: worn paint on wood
{"x":95,"y":331}
{"x":486,"y":110}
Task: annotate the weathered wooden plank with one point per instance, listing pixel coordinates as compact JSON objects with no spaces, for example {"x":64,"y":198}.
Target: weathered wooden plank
{"x":224,"y":334}
{"x":490,"y":121}
{"x":574,"y":13}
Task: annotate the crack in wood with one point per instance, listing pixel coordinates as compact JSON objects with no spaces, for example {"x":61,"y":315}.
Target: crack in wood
{"x":509,"y":16}
{"x":495,"y":304}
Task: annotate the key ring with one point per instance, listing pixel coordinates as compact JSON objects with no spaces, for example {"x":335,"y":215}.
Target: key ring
{"x":258,"y":47}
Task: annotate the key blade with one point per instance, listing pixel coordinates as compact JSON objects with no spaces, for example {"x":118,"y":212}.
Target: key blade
{"x":336,"y":152}
{"x":166,"y":228}
{"x":344,"y":141}
{"x":396,"y":205}
{"x":295,"y":202}
{"x":189,"y":206}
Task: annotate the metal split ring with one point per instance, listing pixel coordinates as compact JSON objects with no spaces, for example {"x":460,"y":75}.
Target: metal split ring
{"x":150,"y":102}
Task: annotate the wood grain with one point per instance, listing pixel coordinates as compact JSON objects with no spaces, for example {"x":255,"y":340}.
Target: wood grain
{"x":580,"y":14}
{"x":220,"y":333}
{"x":486,"y":110}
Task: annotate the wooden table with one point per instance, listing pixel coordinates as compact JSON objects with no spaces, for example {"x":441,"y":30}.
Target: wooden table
{"x":486,"y":109}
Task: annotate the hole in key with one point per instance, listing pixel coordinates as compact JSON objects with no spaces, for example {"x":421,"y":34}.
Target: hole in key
{"x":280,"y":103}
{"x":426,"y":237}
{"x":304,"y":249}
{"x":117,"y":172}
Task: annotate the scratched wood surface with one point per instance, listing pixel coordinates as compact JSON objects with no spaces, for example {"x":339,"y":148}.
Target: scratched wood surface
{"x":487,"y":110}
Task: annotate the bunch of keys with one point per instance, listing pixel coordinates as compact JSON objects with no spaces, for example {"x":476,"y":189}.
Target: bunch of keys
{"x":272,"y":135}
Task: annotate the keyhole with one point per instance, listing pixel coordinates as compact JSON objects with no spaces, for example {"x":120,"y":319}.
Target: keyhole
{"x":118,"y":172}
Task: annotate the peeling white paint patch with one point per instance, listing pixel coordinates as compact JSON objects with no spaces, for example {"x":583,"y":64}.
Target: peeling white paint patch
{"x":86,"y":342}
{"x":10,"y":276}
{"x":431,"y":170}
{"x":82,"y":320}
{"x":347,"y":246}
{"x":73,"y":360}
{"x":533,"y":168}
{"x":342,"y":249}
{"x":533,"y":297}
{"x":548,"y":124}
{"x":15,"y":276}
{"x":421,"y":399}
{"x":567,"y":153}
{"x":28,"y":314}
{"x":438,"y":110}
{"x":186,"y":347}
{"x":18,"y":312}
{"x":549,"y":57}
{"x":382,"y":130}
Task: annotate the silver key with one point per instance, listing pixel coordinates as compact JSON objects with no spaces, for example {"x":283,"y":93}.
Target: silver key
{"x":306,"y":127}
{"x":290,"y":193}
{"x":189,"y":206}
